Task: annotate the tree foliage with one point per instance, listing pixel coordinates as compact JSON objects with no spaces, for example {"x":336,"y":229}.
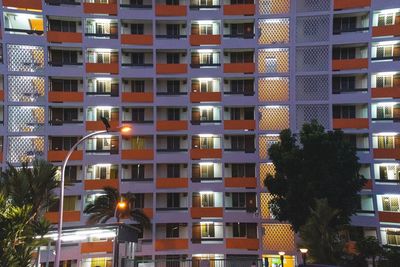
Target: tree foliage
{"x":315,"y":165}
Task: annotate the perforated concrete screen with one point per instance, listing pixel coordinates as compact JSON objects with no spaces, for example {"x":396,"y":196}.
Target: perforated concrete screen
{"x":313,"y":5}
{"x":274,"y":118}
{"x":25,"y":58}
{"x":312,"y":87}
{"x":307,"y":113}
{"x":312,"y":58}
{"x":26,"y":88}
{"x":265,"y":142}
{"x":25,"y":148}
{"x":273,"y":89}
{"x":278,"y":237}
{"x":271,"y":7}
{"x":312,"y":29}
{"x":275,"y":60}
{"x":25,"y":118}
{"x":280,"y":28}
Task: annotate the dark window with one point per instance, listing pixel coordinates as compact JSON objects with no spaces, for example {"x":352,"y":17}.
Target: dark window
{"x":173,"y":143}
{"x":139,"y":201}
{"x":173,"y":58}
{"x":71,"y":173}
{"x":137,"y":28}
{"x":173,"y":30}
{"x":344,"y":53}
{"x":64,"y":85}
{"x":237,"y":142}
{"x":344,"y":112}
{"x":239,"y":230}
{"x":137,"y":86}
{"x":172,"y":230}
{"x":138,"y":172}
{"x":238,"y":200}
{"x":138,"y":114}
{"x":137,"y":58}
{"x":173,"y":86}
{"x":173,"y":200}
{"x":173,"y":171}
{"x":241,"y":57}
{"x":62,"y":26}
{"x":173,"y":114}
{"x":172,"y":2}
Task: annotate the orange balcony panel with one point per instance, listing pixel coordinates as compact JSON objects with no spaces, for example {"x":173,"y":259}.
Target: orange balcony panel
{"x":64,"y":37}
{"x":388,"y":92}
{"x":137,"y":39}
{"x":208,"y":39}
{"x":242,"y":243}
{"x":59,"y":155}
{"x":69,"y":216}
{"x":242,"y":9}
{"x":170,"y":10}
{"x":137,"y":154}
{"x":171,"y":68}
{"x":389,"y":30}
{"x":387,"y":216}
{"x":197,"y":153}
{"x":356,"y":123}
{"x":197,"y":97}
{"x":242,"y":182}
{"x":346,"y":4}
{"x":99,"y":125}
{"x":99,"y":8}
{"x":148,"y":212}
{"x":239,"y":67}
{"x":1,"y":156}
{"x":100,"y":184}
{"x":95,"y":247}
{"x":172,"y":183}
{"x":368,"y":185}
{"x":25,"y":4}
{"x":145,"y":97}
{"x":350,"y":64}
{"x":239,"y":124}
{"x":172,"y":125}
{"x":387,"y":153}
{"x":1,"y":95}
{"x":112,"y":68}
{"x":198,"y":212}
{"x":55,"y":96}
{"x":171,"y":244}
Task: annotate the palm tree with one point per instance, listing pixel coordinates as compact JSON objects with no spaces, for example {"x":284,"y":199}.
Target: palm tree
{"x":369,"y":247}
{"x":103,"y":208}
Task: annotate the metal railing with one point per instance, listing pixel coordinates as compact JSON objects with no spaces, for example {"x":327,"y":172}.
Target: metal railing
{"x":239,"y":262}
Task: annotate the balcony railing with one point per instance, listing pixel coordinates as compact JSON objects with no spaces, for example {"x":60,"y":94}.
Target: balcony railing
{"x":359,"y":29}
{"x":24,"y":31}
{"x":349,"y":90}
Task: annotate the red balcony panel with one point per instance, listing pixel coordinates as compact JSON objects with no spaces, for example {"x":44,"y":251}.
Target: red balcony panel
{"x":239,"y":68}
{"x":1,"y":156}
{"x":241,"y":9}
{"x":208,"y":39}
{"x":387,"y":153}
{"x":356,"y":123}
{"x":389,"y":30}
{"x":137,"y":39}
{"x":112,"y":68}
{"x":197,"y":153}
{"x":148,"y":212}
{"x":170,"y":10}
{"x":99,"y":8}
{"x":60,"y":97}
{"x":99,"y":125}
{"x":171,"y":244}
{"x":346,"y":4}
{"x":171,"y":68}
{"x":368,"y":185}
{"x":209,"y":212}
{"x":137,"y":154}
{"x":387,"y":216}
{"x":350,"y":64}
{"x":241,"y":182}
{"x":97,"y":247}
{"x":59,"y":155}
{"x":145,"y":97}
{"x":100,"y":184}
{"x":69,"y":216}
{"x":197,"y":97}
{"x":239,"y":124}
{"x":1,"y":95}
{"x":388,"y":92}
{"x":24,"y":4}
{"x":242,"y":243}
{"x":64,"y":37}
{"x":172,"y":125}
{"x":163,"y":183}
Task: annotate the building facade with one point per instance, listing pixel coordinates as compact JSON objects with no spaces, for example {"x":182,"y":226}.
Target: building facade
{"x":207,"y":85}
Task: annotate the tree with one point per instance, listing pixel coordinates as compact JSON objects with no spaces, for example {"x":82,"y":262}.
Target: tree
{"x":391,"y":257}
{"x":103,"y":208}
{"x":369,"y":247}
{"x":323,"y":165}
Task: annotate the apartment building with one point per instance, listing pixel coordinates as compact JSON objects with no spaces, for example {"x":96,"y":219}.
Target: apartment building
{"x":207,"y":85}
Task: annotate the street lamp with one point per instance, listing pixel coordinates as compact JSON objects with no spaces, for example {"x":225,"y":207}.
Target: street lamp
{"x":121,"y":205}
{"x":122,"y":130}
{"x":304,"y":255}
{"x":282,"y":256}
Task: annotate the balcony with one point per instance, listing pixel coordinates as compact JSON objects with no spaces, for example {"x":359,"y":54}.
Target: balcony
{"x":197,"y":97}
{"x":98,"y":184}
{"x":386,"y":92}
{"x":388,"y":30}
{"x":112,"y":68}
{"x":170,"y":10}
{"x":241,"y":182}
{"x":64,"y":37}
{"x":345,"y":4}
{"x":239,"y":68}
{"x":198,"y":153}
{"x":59,"y":155}
{"x":60,"y":97}
{"x":349,"y":64}
{"x":23,"y":4}
{"x":353,"y":123}
{"x":239,"y":124}
{"x":137,"y":39}
{"x":68,"y":216}
{"x":137,"y":154}
{"x":240,"y":10}
{"x":171,"y":244}
{"x":387,"y":153}
{"x":206,"y":212}
{"x":142,"y":97}
{"x":172,"y":125}
{"x":99,"y":125}
{"x":97,"y":247}
{"x":171,"y":68}
{"x":391,"y":217}
{"x":167,"y":183}
{"x":208,"y":39}
{"x":100,"y":8}
{"x":242,"y":243}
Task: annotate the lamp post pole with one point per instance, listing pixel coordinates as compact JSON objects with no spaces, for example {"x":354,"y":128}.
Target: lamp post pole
{"x":119,"y":205}
{"x":282,"y":257}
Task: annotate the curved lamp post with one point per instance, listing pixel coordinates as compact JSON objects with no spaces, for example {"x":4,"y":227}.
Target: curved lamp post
{"x":123,"y":130}
{"x":282,"y":257}
{"x":304,"y":255}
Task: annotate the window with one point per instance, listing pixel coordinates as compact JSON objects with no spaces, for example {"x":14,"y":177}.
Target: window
{"x":344,"y":112}
{"x":64,"y":85}
{"x":389,"y":172}
{"x":344,"y":24}
{"x":386,"y":19}
{"x":241,"y":86}
{"x":173,"y":200}
{"x":237,"y":29}
{"x":173,"y":171}
{"x":138,"y":115}
{"x":173,"y":58}
{"x":239,"y":229}
{"x":386,"y":142}
{"x":62,"y":26}
{"x":393,"y":237}
{"x":172,"y":230}
{"x":137,"y":58}
{"x":206,"y":29}
{"x":173,"y":114}
{"x":173,"y":30}
{"x":206,"y":58}
{"x":173,"y":143}
{"x":207,"y":230}
{"x":237,"y":143}
{"x":137,"y":86}
{"x":206,"y":143}
{"x":173,"y":86}
{"x":384,"y":112}
{"x":139,"y":201}
{"x":384,"y":81}
{"x":384,"y":51}
{"x":238,"y":200}
{"x":344,"y":53}
{"x":137,"y":29}
{"x":71,"y":173}
{"x":207,"y":171}
{"x":103,"y":58}
{"x":172,"y":2}
{"x":63,"y":143}
{"x":207,"y":200}
{"x":206,"y":86}
{"x":390,"y":204}
{"x":137,"y":172}
{"x":241,"y":57}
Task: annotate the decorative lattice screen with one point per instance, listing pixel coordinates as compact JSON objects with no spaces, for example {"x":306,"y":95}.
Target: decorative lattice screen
{"x":307,"y":113}
{"x":25,"y":148}
{"x":265,"y":142}
{"x":265,"y":170}
{"x":269,"y":7}
{"x":25,"y":58}
{"x":312,"y":29}
{"x":280,"y":28}
{"x":25,"y":88}
{"x":278,"y":237}
{"x":313,"y":5}
{"x":25,"y":118}
{"x":312,"y":58}
{"x":275,"y":60}
{"x":273,"y":89}
{"x":312,"y":87}
{"x":274,"y":118}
